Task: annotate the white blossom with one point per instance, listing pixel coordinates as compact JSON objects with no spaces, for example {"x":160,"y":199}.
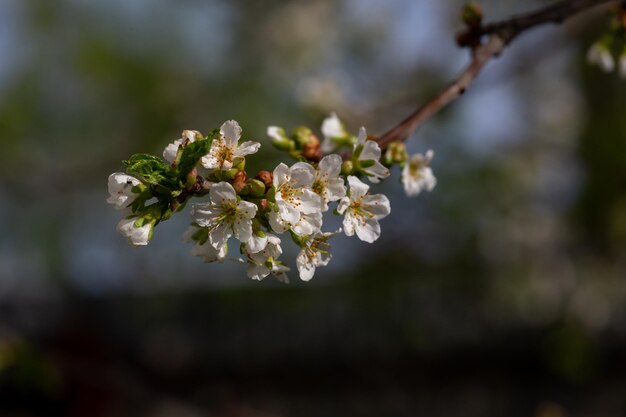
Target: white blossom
{"x":600,"y":55}
{"x":333,"y":130}
{"x":137,"y":236}
{"x":305,"y":226}
{"x":121,"y":190}
{"x":370,"y":154}
{"x":362,"y":211}
{"x":328,"y":183}
{"x":204,"y":249}
{"x":294,"y":196}
{"x":225,"y":148}
{"x":224,"y":216}
{"x":264,"y":262}
{"x":417,"y":174}
{"x":171,"y":150}
{"x":315,"y":253}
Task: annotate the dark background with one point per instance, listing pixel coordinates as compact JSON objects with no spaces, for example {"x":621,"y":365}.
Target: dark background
{"x":501,"y":293}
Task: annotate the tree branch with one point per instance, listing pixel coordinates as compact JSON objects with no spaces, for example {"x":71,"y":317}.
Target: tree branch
{"x":499,"y":36}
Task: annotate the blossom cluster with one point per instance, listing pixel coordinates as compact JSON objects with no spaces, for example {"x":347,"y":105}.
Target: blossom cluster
{"x":257,"y":213}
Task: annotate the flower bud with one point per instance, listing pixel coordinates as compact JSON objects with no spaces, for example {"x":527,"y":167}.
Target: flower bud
{"x":229,"y":174}
{"x":472,"y":14}
{"x":239,"y":163}
{"x":312,"y":152}
{"x":396,"y":153}
{"x":304,"y":136}
{"x":280,"y":140}
{"x":263,"y":204}
{"x":266,"y":178}
{"x":239,"y":181}
{"x":255,"y":188}
{"x":347,"y":167}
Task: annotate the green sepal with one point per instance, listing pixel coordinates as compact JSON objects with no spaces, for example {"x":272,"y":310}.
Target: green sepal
{"x":271,"y":195}
{"x":298,"y":240}
{"x":201,"y":236}
{"x":357,"y":152}
{"x":367,"y":164}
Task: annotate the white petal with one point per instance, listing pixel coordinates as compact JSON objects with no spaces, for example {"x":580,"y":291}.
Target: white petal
{"x":343,"y":205}
{"x":288,"y":213}
{"x":332,"y":127}
{"x":362,"y":138}
{"x":222,"y":193}
{"x":276,"y":223}
{"x":219,"y":235}
{"x":247,"y":148}
{"x":243,"y":229}
{"x":274,"y":240}
{"x":246,"y":209}
{"x":377,"y":204}
{"x":349,"y":224}
{"x":210,"y":162}
{"x":305,"y":268}
{"x":280,"y":272}
{"x":203,"y":214}
{"x":357,"y":188}
{"x":302,"y":174}
{"x":257,"y":272}
{"x":170,"y":151}
{"x":120,"y":189}
{"x":371,"y":151}
{"x":368,"y":231}
{"x":322,"y":259}
{"x":310,"y":202}
{"x":256,"y":243}
{"x":330,"y":165}
{"x":281,"y":174}
{"x":231,"y":132}
{"x":208,"y":252}
{"x":376,"y":172}
{"x":137,"y":236}
{"x":335,"y":189}
{"x":308,"y":224}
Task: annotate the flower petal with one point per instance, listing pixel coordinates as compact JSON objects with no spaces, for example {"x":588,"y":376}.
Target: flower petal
{"x":368,"y":231}
{"x":231,"y":132}
{"x":330,"y":165}
{"x":377,"y":204}
{"x":305,"y":268}
{"x":357,"y":188}
{"x":247,"y":148}
{"x":222,"y":193}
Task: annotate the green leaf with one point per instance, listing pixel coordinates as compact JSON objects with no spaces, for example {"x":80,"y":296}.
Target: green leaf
{"x":151,"y":169}
{"x":191,"y":154}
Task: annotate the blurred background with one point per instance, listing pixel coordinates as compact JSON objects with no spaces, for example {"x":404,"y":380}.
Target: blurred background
{"x":501,"y":293}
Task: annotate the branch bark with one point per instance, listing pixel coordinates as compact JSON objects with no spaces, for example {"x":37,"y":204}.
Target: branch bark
{"x":490,"y":40}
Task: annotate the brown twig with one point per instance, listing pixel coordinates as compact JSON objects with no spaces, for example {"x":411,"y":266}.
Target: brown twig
{"x":497,"y":37}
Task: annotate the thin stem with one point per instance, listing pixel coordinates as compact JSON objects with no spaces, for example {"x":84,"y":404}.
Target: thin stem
{"x":499,"y":36}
